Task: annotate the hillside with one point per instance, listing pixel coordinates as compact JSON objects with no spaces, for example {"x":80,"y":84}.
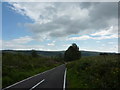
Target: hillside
{"x":17,"y":66}
{"x":94,"y":72}
{"x":52,"y":53}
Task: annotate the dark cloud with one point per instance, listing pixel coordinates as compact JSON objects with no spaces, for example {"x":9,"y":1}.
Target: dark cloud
{"x":105,"y":10}
{"x":76,"y":18}
{"x":87,"y":5}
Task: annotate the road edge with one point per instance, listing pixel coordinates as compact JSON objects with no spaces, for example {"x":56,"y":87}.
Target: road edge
{"x":29,"y":78}
{"x":64,"y":79}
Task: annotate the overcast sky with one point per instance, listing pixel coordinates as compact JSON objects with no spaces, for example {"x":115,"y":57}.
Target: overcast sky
{"x":93,"y":26}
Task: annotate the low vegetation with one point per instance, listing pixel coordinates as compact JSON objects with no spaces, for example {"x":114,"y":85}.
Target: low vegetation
{"x":18,"y":66}
{"x":94,"y":72}
{"x":82,"y":72}
{"x":0,"y":70}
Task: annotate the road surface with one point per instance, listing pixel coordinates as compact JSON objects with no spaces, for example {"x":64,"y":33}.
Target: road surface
{"x":53,"y":78}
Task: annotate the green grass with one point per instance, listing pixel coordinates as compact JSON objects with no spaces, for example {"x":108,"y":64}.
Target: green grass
{"x":16,"y":67}
{"x":94,"y":72}
{"x":0,"y":70}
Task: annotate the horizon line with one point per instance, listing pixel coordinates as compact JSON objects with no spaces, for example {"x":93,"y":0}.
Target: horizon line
{"x":56,"y":50}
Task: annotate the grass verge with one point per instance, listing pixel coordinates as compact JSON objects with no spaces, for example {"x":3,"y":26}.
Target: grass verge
{"x":94,"y":72}
{"x":16,"y":66}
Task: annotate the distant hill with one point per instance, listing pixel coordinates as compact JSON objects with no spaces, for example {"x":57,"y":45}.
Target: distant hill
{"x":52,"y":53}
{"x":89,"y":53}
{"x":43,"y":53}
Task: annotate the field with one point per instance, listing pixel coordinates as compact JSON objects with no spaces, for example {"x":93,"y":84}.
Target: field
{"x":94,"y":72}
{"x":17,"y":66}
{"x":88,"y":72}
{"x":0,"y":70}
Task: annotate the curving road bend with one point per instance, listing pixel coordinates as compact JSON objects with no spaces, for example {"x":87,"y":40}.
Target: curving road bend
{"x":51,"y":79}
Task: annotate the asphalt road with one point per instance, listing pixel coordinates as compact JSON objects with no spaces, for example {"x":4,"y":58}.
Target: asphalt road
{"x":54,"y":78}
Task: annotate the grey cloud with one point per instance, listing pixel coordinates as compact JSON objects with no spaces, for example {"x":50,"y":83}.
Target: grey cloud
{"x":59,"y":27}
{"x":87,"y":4}
{"x":62,"y":26}
{"x":104,"y":10}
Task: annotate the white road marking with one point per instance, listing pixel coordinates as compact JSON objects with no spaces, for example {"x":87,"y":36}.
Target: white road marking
{"x":64,"y":79}
{"x":37,"y":84}
{"x":29,"y":78}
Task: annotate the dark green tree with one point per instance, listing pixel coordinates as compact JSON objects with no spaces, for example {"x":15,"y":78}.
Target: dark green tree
{"x":72,"y":53}
{"x":34,"y":53}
